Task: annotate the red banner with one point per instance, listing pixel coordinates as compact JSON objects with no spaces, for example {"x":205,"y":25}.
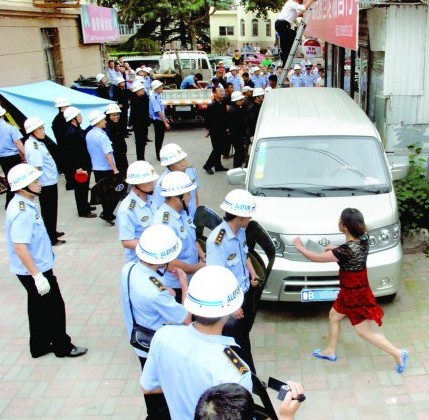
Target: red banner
{"x":335,"y":21}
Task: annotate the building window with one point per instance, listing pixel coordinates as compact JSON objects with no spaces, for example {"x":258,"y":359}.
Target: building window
{"x":226,"y":30}
{"x":242,"y":28}
{"x":52,"y":54}
{"x":254,"y":27}
{"x":268,"y":28}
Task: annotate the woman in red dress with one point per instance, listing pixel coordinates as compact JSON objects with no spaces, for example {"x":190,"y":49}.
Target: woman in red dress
{"x":355,"y":299}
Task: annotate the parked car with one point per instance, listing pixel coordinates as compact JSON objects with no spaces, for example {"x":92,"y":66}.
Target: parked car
{"x":142,"y":60}
{"x":214,"y":60}
{"x":253,"y":58}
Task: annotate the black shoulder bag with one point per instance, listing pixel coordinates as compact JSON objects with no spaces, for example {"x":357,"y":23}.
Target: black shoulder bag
{"x":141,"y":337}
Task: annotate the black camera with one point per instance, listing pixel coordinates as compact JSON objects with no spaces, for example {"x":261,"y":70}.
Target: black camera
{"x":283,"y":389}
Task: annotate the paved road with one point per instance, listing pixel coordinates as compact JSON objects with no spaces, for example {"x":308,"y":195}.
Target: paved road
{"x":362,"y":384}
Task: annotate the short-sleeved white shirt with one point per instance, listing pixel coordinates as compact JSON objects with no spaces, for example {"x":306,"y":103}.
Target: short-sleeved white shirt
{"x":290,"y":11}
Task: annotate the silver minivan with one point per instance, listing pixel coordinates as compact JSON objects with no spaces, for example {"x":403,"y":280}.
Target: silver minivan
{"x":314,"y":153}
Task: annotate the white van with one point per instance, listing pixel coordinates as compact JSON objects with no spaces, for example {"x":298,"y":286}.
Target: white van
{"x":314,"y":153}
{"x":191,"y":62}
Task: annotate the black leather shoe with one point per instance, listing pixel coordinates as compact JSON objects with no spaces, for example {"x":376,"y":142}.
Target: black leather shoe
{"x":221,"y":169}
{"x":89,"y":216}
{"x":58,"y":242}
{"x":74,"y":352}
{"x":92,"y":208}
{"x":59,"y":234}
{"x":149,"y":141}
{"x":208,"y":170}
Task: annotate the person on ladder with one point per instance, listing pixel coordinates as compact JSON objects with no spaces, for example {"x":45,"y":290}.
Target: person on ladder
{"x":283,"y":25}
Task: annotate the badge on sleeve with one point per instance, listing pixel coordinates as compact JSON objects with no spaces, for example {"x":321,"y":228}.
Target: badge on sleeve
{"x":231,"y":256}
{"x":235,"y":360}
{"x":144,"y":218}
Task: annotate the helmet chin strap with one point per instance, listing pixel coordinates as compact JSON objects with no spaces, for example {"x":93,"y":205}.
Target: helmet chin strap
{"x":144,"y":192}
{"x":185,"y":207}
{"x":32,"y":192}
{"x":161,"y":273}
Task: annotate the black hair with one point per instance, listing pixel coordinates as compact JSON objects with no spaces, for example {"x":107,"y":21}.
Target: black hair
{"x":353,"y":220}
{"x":214,"y":88}
{"x":228,"y":401}
{"x":229,"y":84}
{"x":229,"y":216}
{"x":273,"y":77}
{"x":199,"y":76}
{"x":206,"y":321}
{"x":245,"y":74}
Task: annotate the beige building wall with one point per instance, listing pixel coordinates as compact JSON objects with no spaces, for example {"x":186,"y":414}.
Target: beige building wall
{"x":233,"y":18}
{"x":21,"y":44}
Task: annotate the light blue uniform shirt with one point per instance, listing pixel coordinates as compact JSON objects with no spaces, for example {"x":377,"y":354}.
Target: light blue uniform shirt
{"x":37,"y":154}
{"x":308,"y":79}
{"x":8,"y":136}
{"x":99,"y":145}
{"x":152,"y":307}
{"x":259,"y":81}
{"x":229,"y":251}
{"x":146,"y":83}
{"x":192,"y":173}
{"x":24,"y":225}
{"x":184,"y":228}
{"x":155,"y":106}
{"x":133,"y":217}
{"x":185,"y":363}
{"x":237,"y":82}
{"x":188,"y":82}
{"x":296,"y":80}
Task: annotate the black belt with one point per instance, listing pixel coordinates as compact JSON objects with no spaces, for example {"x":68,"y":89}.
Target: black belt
{"x":283,"y":20}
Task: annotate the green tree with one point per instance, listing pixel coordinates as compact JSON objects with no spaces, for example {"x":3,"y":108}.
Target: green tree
{"x":262,"y":7}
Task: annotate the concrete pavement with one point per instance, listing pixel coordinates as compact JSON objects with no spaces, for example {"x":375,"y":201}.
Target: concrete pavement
{"x":362,"y":384}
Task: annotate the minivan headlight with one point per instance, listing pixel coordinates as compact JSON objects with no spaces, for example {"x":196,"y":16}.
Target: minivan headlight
{"x":278,"y":243}
{"x":384,"y":238}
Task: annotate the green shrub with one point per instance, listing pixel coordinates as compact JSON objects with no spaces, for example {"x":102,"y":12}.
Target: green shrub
{"x":146,"y":46}
{"x":219,"y":45}
{"x":412,"y":193}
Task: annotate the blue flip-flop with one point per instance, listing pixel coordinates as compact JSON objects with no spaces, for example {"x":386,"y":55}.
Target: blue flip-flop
{"x":318,"y":353}
{"x":404,"y":359}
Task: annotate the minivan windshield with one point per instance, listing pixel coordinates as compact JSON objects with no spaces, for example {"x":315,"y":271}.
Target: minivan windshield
{"x":319,"y":166}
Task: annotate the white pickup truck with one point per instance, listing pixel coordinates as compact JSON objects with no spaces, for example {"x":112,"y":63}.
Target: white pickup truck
{"x":186,"y":105}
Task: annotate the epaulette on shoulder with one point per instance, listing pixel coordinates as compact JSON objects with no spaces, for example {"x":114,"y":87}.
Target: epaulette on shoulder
{"x":132,"y":204}
{"x":166,"y":217}
{"x":22,"y":206}
{"x":35,"y":144}
{"x":220,"y":236}
{"x":235,"y":360}
{"x":177,"y":324}
{"x":157,"y":283}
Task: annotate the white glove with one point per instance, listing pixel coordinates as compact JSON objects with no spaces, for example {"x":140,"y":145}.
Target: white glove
{"x":42,"y":284}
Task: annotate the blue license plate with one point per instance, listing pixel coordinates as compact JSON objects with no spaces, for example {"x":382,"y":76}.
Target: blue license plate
{"x":317,"y":295}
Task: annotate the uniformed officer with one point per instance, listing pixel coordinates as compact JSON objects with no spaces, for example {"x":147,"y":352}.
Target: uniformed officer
{"x":103,"y":163}
{"x":147,"y":79}
{"x":258,"y":79}
{"x":136,"y":211}
{"x":235,"y":79}
{"x":152,"y":303}
{"x":37,"y":155}
{"x":157,"y":113}
{"x":176,"y":187}
{"x":173,"y":157}
{"x":185,"y":361}
{"x":32,"y":260}
{"x":11,"y":149}
{"x":308,"y":78}
{"x":254,"y":109}
{"x":296,"y":78}
{"x":226,"y":246}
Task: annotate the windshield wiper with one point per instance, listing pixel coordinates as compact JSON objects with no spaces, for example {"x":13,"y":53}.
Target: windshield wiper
{"x":282,"y":188}
{"x":360,"y":189}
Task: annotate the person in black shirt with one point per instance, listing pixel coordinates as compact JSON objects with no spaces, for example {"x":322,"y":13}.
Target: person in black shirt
{"x":237,"y":58}
{"x":122,"y":96}
{"x":238,"y":128}
{"x":114,"y":130}
{"x":246,"y":78}
{"x":216,"y":124}
{"x":102,"y":87}
{"x":79,"y":161}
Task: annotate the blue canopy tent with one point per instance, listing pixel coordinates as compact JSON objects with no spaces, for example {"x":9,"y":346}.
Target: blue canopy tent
{"x":38,"y":100}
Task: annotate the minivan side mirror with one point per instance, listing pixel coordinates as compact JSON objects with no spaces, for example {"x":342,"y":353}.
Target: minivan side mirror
{"x":398,"y":166}
{"x":237,"y":176}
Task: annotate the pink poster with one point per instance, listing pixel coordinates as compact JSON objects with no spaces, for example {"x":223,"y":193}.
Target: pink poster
{"x":335,"y":21}
{"x":99,"y":24}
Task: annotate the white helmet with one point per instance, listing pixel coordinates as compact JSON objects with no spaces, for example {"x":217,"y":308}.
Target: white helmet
{"x":2,"y":111}
{"x":240,"y":203}
{"x":112,"y":109}
{"x":138,"y":69}
{"x":236,"y":96}
{"x":258,"y":92}
{"x":176,"y":183}
{"x":171,"y":153}
{"x":136,"y":86}
{"x":32,"y":123}
{"x":120,"y":79}
{"x":147,"y":69}
{"x":70,"y":113}
{"x":156,"y":84}
{"x":95,"y":117}
{"x":22,"y":175}
{"x":140,"y":172}
{"x":232,"y":68}
{"x":100,"y":77}
{"x":213,"y":292}
{"x":158,"y":244}
{"x":60,"y":102}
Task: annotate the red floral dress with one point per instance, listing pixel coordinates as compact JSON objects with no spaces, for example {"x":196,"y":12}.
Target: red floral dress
{"x":355,"y":299}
